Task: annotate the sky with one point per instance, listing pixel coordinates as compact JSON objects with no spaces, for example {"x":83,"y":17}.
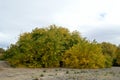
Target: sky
{"x":94,"y":19}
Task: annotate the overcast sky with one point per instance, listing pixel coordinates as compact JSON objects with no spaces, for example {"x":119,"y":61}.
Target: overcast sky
{"x":94,"y":19}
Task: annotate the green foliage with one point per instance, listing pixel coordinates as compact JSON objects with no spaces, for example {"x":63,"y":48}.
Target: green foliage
{"x":56,"y":46}
{"x":109,"y":51}
{"x":43,"y":47}
{"x":117,"y":60}
{"x":109,"y":60}
{"x":84,"y":55}
{"x":2,"y":51}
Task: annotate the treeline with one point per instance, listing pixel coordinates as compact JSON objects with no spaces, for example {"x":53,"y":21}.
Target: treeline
{"x":56,"y":46}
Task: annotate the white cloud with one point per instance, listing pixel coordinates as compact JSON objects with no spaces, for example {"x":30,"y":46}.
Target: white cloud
{"x":90,"y":17}
{"x":87,"y":12}
{"x":4,"y":40}
{"x":4,"y":36}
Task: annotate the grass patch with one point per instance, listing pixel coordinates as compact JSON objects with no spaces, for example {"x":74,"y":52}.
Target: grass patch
{"x":41,"y":75}
{"x":44,"y":71}
{"x":67,"y":72}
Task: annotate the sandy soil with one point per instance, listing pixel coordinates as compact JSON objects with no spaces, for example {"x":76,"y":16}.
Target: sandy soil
{"x":8,"y":73}
{"x":59,"y":74}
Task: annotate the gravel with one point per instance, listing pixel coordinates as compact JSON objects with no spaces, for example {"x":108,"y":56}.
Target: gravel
{"x":59,"y":74}
{"x":8,"y":73}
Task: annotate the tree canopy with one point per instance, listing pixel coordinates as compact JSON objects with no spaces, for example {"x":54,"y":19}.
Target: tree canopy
{"x":56,"y":46}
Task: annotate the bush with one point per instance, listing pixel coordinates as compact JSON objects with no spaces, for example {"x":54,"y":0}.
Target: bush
{"x":58,"y":47}
{"x":84,"y":55}
{"x":43,"y":47}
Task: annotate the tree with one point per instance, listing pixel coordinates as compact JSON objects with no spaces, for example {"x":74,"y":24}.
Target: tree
{"x":84,"y":55}
{"x":117,"y":60}
{"x":2,"y":51}
{"x":43,"y":47}
{"x":109,"y":50}
{"x":56,"y":46}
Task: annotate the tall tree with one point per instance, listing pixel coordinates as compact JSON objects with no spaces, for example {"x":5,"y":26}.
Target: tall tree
{"x":43,"y":47}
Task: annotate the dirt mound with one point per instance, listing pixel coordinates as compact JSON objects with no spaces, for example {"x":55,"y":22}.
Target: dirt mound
{"x":4,"y":64}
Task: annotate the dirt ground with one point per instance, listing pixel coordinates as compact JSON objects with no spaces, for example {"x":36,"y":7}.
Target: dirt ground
{"x":59,"y":74}
{"x":8,"y":73}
